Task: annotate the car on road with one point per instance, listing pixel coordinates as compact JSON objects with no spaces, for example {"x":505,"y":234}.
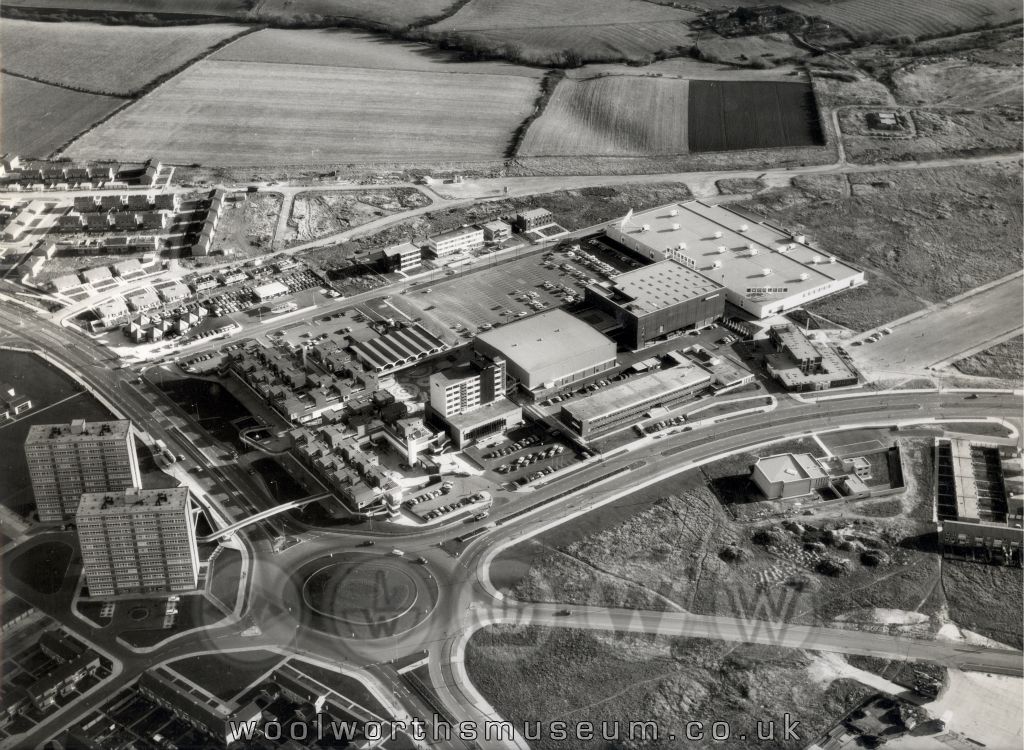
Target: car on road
{"x":366,"y":543}
{"x":563,"y":613}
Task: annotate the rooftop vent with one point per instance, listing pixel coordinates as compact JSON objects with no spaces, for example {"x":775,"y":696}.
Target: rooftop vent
{"x":674,"y":212}
{"x":722,"y":249}
{"x":804,"y":276}
{"x":717,"y":264}
{"x":744,"y":227}
{"x":816,"y":259}
{"x":752,"y":249}
{"x":832,"y":259}
{"x":718,"y":235}
{"x":681,"y":246}
{"x":800,"y":238}
{"x":766,"y":272}
{"x":645,"y":227}
{"x":675,"y":227}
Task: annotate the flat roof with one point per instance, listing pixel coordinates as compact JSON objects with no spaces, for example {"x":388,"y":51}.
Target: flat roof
{"x":453,"y":233}
{"x":659,"y":383}
{"x":533,"y":213}
{"x":660,"y":285}
{"x":500,"y":407}
{"x":964,"y":481}
{"x":132,"y":500}
{"x":78,"y":430}
{"x":695,"y":225}
{"x":788,"y":467}
{"x":271,"y":289}
{"x":402,"y":249}
{"x":544,"y":340}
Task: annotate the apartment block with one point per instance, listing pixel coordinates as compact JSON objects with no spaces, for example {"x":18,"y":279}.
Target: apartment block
{"x":67,"y":460}
{"x":138,"y":541}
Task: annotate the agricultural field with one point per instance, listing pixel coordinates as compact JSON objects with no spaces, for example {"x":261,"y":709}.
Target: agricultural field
{"x":222,"y":113}
{"x":394,"y":13}
{"x":737,"y":115}
{"x":612,"y":115}
{"x":346,"y":48}
{"x":38,"y":119}
{"x":763,"y":51}
{"x":535,"y":675}
{"x":922,"y":236}
{"x":540,"y":30}
{"x":1004,"y":360}
{"x":143,"y":54}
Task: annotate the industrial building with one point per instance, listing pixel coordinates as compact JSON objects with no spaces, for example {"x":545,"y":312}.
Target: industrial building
{"x":549,"y":352}
{"x":533,"y":218}
{"x":458,"y":240}
{"x":471,"y":402}
{"x":138,"y":541}
{"x":623,"y":405}
{"x":264,"y":292}
{"x":800,"y":364}
{"x":979,"y":500}
{"x":765,"y":270}
{"x":405,"y":257}
{"x":496,"y":231}
{"x":400,"y":348}
{"x":789,"y":475}
{"x":67,"y":460}
{"x":657,"y":300}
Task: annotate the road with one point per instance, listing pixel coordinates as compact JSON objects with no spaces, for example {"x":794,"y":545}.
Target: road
{"x":465,"y":598}
{"x":945,"y":332}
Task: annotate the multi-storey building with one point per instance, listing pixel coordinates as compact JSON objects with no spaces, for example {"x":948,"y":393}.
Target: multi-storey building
{"x":67,"y":460}
{"x":471,"y":402}
{"x":456,"y":241}
{"x":138,"y":541}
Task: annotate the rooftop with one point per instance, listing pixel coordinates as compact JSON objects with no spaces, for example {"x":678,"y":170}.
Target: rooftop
{"x":133,"y":499}
{"x":534,"y":213}
{"x":452,"y":233}
{"x":401,"y":346}
{"x":660,"y":285}
{"x":402,"y":249}
{"x":78,"y":430}
{"x":545,"y":340}
{"x":743,"y":246}
{"x":500,"y":407}
{"x":788,"y":467}
{"x":637,"y":390}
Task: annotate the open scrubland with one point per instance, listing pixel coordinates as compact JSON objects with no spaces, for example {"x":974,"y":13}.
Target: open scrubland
{"x":39,"y":118}
{"x":922,"y":235}
{"x":1004,"y":360}
{"x":534,"y":674}
{"x":543,"y":31}
{"x":612,"y":115}
{"x":225,"y":113}
{"x":318,"y":214}
{"x":892,"y":18}
{"x":392,"y":14}
{"x":101,"y":59}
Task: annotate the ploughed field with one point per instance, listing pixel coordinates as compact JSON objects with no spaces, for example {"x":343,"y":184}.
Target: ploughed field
{"x":614,"y":115}
{"x":39,"y":118}
{"x":225,"y":113}
{"x":734,"y":115}
{"x":102,"y":59}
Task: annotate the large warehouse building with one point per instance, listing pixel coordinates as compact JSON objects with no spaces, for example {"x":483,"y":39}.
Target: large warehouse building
{"x":549,"y":352}
{"x":657,"y":300}
{"x":764,"y":270}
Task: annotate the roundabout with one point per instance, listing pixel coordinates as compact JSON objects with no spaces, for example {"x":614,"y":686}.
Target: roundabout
{"x":366,"y":596}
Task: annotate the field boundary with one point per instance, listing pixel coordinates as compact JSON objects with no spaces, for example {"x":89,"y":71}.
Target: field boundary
{"x":142,"y":92}
{"x":548,"y":85}
{"x":66,"y":86}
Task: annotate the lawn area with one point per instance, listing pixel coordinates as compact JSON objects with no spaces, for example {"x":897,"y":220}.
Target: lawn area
{"x":56,"y":399}
{"x":227,"y":674}
{"x":922,"y":235}
{"x":43,"y":567}
{"x":224,"y":578}
{"x":536,"y":674}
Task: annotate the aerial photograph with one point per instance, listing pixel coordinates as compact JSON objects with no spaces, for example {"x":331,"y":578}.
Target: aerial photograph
{"x":511,"y":374}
